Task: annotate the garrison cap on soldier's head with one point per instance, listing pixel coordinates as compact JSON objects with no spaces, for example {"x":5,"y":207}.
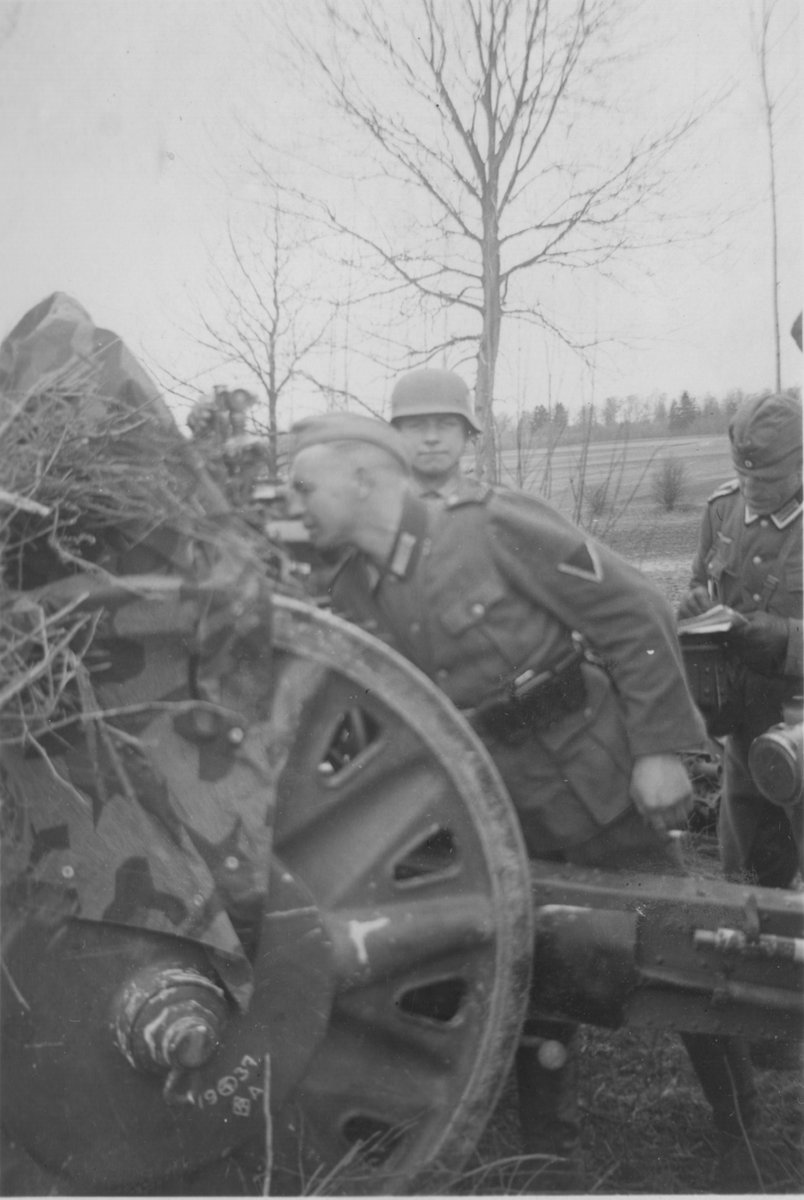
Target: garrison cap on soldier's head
{"x":430,"y":391}
{"x":348,"y":427}
{"x":765,"y":434}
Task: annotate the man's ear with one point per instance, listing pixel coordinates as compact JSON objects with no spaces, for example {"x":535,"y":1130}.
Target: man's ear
{"x":364,"y":481}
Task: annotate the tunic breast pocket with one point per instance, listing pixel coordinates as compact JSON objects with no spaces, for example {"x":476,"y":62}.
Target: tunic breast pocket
{"x":723,"y":570}
{"x":470,"y":610}
{"x":792,"y":599}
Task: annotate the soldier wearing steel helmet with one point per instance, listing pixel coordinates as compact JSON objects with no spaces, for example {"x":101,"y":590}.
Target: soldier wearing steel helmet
{"x":513,"y":613}
{"x":749,"y":558}
{"x":432,"y":411}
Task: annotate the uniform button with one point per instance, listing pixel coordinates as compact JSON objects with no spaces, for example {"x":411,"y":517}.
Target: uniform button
{"x":441,"y":673}
{"x":764,"y":523}
{"x":415,"y":627}
{"x":756,"y":597}
{"x":478,"y":609}
{"x":756,"y":560}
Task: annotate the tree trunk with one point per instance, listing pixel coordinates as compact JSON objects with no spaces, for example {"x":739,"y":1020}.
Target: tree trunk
{"x":489,"y":345}
{"x":767,"y":13}
{"x":777,"y":346}
{"x":273,"y":401}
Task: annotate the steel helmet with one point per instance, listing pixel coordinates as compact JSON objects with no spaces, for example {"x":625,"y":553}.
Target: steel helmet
{"x":429,"y":391}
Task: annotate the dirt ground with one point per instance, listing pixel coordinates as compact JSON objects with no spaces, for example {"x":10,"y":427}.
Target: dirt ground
{"x":661,"y":544}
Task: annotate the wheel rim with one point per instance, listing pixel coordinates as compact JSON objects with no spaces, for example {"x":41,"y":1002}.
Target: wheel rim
{"x":390,"y":973}
{"x":411,"y":849}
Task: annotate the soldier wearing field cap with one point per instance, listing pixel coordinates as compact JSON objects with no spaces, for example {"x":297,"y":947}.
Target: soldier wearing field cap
{"x":432,"y":411}
{"x":749,"y":558}
{"x":565,"y":660}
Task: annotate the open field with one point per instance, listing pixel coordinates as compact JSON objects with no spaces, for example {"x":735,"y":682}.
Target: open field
{"x":660,"y":543}
{"x":627,"y":464}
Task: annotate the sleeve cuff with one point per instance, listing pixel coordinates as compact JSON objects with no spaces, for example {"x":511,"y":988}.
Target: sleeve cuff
{"x":794,"y":660}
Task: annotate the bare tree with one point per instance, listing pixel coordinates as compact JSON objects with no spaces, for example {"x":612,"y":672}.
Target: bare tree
{"x":474,"y":107}
{"x":770,"y":103}
{"x":270,"y":324}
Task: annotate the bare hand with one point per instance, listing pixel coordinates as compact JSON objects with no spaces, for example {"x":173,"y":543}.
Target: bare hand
{"x":661,"y":791}
{"x":696,"y":601}
{"x":761,"y":642}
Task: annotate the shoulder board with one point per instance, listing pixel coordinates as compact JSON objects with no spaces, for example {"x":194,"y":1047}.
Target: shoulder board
{"x":726,"y":489}
{"x":469,"y":491}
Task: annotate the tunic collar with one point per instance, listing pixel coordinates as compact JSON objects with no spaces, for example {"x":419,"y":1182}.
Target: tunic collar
{"x":409,"y":539}
{"x":783,"y":516}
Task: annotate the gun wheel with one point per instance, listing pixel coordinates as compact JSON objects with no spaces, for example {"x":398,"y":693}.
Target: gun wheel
{"x":395,"y":819}
{"x":391,"y":968}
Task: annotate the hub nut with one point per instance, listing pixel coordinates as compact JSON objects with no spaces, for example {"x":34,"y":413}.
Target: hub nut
{"x":169,"y":1018}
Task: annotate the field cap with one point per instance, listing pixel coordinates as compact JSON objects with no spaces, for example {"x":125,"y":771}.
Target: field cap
{"x":348,"y":427}
{"x":765,"y":434}
{"x":432,"y":391}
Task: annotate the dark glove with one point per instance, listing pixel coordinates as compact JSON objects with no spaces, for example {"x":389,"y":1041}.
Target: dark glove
{"x":696,"y":601}
{"x":761,"y":642}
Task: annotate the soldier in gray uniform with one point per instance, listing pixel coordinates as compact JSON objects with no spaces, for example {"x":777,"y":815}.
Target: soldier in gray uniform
{"x":564,"y":658}
{"x":432,"y":411}
{"x":749,"y":558}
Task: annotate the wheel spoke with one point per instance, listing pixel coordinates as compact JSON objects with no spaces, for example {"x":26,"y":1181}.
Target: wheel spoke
{"x":308,"y":788}
{"x":349,"y":851}
{"x":361,"y":1069}
{"x":364,"y":1101}
{"x":373,"y":945}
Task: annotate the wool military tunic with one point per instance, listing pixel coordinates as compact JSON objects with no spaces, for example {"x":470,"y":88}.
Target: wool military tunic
{"x":494,"y":582}
{"x":754,"y":563}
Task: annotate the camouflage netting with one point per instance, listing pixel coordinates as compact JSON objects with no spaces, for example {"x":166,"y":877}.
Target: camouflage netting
{"x":93,"y":465}
{"x":94,"y":477}
{"x":136,"y":634}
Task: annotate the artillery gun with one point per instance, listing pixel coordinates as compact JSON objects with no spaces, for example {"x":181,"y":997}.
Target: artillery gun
{"x":268,"y":913}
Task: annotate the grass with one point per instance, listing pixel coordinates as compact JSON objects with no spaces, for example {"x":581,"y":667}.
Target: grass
{"x":645,"y":1127}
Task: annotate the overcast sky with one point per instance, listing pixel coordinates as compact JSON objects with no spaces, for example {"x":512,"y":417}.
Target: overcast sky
{"x":121,"y":139}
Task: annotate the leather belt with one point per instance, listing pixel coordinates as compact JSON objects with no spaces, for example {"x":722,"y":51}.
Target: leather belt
{"x":532,"y":701}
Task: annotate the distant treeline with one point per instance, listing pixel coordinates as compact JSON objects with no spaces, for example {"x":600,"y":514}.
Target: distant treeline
{"x":617,"y":417}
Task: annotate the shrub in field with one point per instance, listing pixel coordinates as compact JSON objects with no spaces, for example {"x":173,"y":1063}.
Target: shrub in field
{"x":669,"y":483}
{"x":597,"y":500}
